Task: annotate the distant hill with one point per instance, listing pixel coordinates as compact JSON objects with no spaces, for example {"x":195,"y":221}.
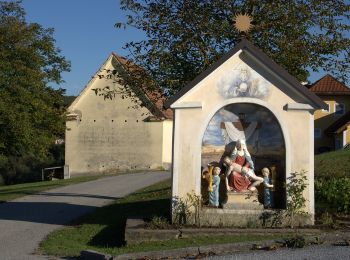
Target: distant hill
{"x":68,"y":100}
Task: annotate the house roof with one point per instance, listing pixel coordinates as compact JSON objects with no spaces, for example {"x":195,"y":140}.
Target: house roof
{"x":156,"y":100}
{"x":340,"y":125}
{"x":328,"y":85}
{"x":155,"y":97}
{"x":246,"y":45}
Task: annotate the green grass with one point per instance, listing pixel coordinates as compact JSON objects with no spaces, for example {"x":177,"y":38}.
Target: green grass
{"x":10,"y":192}
{"x":103,"y":229}
{"x":333,"y":164}
{"x":332,"y":183}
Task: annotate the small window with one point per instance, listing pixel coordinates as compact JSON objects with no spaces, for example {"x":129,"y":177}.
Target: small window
{"x":339,"y":109}
{"x":317,"y":133}
{"x":327,"y":109}
{"x":338,"y":143}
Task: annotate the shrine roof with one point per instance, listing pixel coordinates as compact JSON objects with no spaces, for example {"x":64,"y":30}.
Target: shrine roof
{"x":247,"y":46}
{"x":328,"y":85}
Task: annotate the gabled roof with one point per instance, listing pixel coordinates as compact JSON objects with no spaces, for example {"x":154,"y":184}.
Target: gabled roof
{"x":328,"y":85}
{"x":340,"y":125}
{"x":156,"y":98}
{"x":156,"y":101}
{"x":247,"y":46}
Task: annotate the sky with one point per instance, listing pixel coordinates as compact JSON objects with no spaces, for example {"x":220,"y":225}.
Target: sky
{"x":85,"y":33}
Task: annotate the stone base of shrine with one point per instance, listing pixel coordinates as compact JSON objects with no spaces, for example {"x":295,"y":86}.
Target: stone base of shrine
{"x":243,"y":201}
{"x":230,"y":217}
{"x":247,"y":218}
{"x":245,"y":210}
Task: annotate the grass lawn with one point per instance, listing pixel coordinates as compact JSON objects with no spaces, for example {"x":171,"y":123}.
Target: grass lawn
{"x":10,"y":192}
{"x":103,"y":229}
{"x":333,"y":164}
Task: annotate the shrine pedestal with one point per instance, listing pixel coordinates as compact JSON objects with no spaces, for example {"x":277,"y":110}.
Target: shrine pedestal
{"x":240,"y":210}
{"x":243,"y":201}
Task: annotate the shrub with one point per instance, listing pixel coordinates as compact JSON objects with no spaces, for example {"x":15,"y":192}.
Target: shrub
{"x":335,"y":192}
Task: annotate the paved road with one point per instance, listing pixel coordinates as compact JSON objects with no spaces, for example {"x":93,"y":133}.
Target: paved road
{"x":322,"y":252}
{"x":24,"y":222}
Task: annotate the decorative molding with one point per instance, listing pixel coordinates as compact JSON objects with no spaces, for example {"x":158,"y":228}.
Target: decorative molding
{"x":298,"y":106}
{"x":194,"y":104}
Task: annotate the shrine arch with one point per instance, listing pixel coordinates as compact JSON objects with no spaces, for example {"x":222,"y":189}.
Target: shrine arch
{"x":269,"y":144}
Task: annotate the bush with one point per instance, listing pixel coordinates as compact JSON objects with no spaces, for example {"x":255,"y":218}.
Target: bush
{"x":335,"y":192}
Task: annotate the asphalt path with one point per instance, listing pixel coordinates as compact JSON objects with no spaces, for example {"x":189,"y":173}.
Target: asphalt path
{"x":321,"y":252}
{"x":24,"y":222}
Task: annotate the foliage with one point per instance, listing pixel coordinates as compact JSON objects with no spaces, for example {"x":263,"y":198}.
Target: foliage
{"x":272,"y":218}
{"x":335,"y":192}
{"x":295,"y":186}
{"x":327,"y":219}
{"x":186,"y":210}
{"x":297,"y":241}
{"x":158,"y":222}
{"x":183,"y":38}
{"x":68,"y":100}
{"x":31,"y":112}
{"x":332,"y":181}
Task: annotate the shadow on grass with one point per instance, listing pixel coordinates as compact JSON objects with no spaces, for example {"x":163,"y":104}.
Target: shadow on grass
{"x":114,"y":218}
{"x":151,"y":191}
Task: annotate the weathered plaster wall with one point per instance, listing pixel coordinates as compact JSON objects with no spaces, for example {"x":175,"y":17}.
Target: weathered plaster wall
{"x":167,"y":143}
{"x":191,"y":122}
{"x":109,"y":134}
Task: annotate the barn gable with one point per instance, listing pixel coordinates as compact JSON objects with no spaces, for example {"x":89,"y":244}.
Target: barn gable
{"x":114,"y":134}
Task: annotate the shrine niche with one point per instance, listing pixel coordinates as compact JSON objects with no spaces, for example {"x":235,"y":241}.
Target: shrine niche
{"x":264,"y":142}
{"x":240,"y":129}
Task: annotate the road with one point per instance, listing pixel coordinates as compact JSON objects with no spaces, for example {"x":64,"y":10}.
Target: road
{"x":26,"y":221}
{"x":321,"y":252}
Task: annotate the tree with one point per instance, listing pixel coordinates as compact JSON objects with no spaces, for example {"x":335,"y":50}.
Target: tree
{"x":184,"y":37}
{"x":31,"y":112}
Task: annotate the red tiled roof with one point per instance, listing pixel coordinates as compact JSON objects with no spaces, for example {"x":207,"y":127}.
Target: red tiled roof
{"x":328,"y":85}
{"x":156,"y":98}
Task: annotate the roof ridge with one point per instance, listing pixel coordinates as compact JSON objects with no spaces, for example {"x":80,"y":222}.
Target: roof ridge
{"x":329,"y":84}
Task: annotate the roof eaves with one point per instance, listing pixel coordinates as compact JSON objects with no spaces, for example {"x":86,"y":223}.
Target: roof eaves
{"x":153,"y":109}
{"x":339,"y":125}
{"x":245,"y":45}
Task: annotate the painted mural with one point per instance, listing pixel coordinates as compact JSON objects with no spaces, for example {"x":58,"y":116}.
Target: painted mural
{"x":243,"y":82}
{"x":246,"y":136}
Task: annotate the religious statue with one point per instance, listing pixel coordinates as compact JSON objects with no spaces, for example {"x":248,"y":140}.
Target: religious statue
{"x":240,"y":176}
{"x":268,"y":198}
{"x":214,"y":186}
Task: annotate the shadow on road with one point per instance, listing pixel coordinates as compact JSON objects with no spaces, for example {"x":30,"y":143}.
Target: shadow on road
{"x":42,"y":212}
{"x":65,"y":194}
